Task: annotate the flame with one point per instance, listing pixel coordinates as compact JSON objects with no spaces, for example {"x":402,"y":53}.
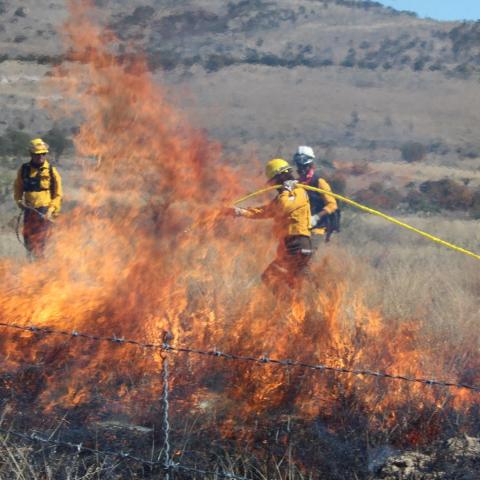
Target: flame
{"x":146,"y":250}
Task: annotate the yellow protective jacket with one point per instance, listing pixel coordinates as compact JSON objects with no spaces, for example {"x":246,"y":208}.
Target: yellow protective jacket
{"x":290,"y":211}
{"x":329,"y":202}
{"x":41,"y":188}
{"x":321,"y":201}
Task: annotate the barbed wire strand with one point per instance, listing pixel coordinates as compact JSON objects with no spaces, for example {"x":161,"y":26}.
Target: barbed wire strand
{"x":35,"y":437}
{"x":79,"y":447}
{"x":264,"y":360}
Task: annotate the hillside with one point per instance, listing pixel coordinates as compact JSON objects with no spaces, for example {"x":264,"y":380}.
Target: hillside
{"x":355,"y":76}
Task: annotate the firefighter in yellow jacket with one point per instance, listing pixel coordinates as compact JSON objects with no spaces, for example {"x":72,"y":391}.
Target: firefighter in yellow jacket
{"x":290,"y":211}
{"x":324,"y":208}
{"x":38,"y":192}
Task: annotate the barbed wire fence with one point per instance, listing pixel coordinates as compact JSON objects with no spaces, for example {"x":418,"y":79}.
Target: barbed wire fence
{"x":165,"y":346}
{"x":79,"y":448}
{"x":164,"y":461}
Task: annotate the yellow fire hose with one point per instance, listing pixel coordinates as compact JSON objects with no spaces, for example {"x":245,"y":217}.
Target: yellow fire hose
{"x":373,"y":212}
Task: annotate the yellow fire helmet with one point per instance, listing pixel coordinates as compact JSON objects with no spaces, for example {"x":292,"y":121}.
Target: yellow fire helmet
{"x":276,"y":167}
{"x":38,"y":146}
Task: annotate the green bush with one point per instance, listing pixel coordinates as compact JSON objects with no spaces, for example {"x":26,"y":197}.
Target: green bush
{"x":14,"y":143}
{"x":58,"y":142}
{"x":351,"y":59}
{"x":413,"y":151}
{"x":475,"y":208}
{"x":417,"y":201}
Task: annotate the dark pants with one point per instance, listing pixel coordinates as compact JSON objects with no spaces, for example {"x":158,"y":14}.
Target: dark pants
{"x":36,"y":231}
{"x":291,"y":263}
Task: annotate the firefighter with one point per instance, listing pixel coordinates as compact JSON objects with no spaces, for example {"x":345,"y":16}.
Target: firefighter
{"x":324,"y":208}
{"x":290,"y":211}
{"x":38,"y":192}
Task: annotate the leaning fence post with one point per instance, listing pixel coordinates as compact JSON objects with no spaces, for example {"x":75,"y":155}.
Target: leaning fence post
{"x":167,"y":462}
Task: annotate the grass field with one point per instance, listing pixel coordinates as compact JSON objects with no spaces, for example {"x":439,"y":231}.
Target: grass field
{"x":404,"y":278}
{"x":141,"y":248}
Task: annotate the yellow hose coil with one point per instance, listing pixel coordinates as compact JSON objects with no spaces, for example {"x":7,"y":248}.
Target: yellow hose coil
{"x":373,"y":212}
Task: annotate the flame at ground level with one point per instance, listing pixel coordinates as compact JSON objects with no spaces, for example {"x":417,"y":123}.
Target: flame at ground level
{"x":126,"y":261}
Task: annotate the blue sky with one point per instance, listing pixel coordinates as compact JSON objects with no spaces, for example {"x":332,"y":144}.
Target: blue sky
{"x":439,"y":9}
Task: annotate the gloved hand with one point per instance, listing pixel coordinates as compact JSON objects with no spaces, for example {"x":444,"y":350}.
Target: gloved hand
{"x":289,"y":185}
{"x":21,"y":205}
{"x":235,"y":212}
{"x":49,"y":215}
{"x":316,"y":218}
{"x":239,"y":212}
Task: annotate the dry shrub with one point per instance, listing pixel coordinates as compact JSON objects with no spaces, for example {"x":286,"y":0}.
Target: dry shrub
{"x":447,"y":194}
{"x":376,"y":195}
{"x":360,"y":168}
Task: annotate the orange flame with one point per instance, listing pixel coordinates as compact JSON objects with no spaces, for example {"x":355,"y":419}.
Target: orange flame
{"x":146,"y":250}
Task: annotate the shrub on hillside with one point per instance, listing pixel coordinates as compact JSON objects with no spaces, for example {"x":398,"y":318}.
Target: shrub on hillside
{"x":413,"y":151}
{"x":438,"y":148}
{"x":448,"y":194}
{"x":377,"y":196}
{"x":361,"y":168}
{"x":468,"y":151}
{"x":14,"y":143}
{"x":418,"y":202}
{"x":216,"y":62}
{"x":58,"y":141}
{"x":21,"y":12}
{"x":351,"y":59}
{"x":475,"y":208}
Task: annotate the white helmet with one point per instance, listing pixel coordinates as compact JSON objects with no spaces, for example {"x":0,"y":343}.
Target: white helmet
{"x":307,"y":151}
{"x":304,"y":157}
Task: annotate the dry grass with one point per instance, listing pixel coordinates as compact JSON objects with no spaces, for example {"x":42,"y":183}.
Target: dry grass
{"x":404,"y":276}
{"x":411,"y":270}
{"x":24,"y":461}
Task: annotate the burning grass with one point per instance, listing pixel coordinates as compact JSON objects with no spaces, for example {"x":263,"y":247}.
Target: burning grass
{"x":146,"y":250}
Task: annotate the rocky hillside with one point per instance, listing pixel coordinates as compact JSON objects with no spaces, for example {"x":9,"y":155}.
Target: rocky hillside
{"x":280,"y":33}
{"x":355,"y":79}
